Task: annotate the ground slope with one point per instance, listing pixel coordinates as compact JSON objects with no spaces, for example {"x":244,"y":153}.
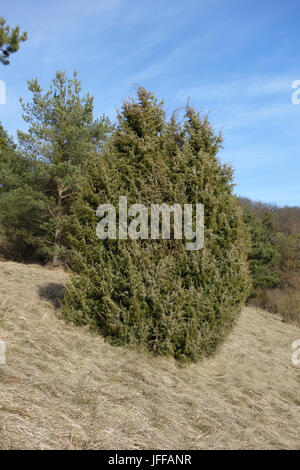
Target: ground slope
{"x":63,"y":387}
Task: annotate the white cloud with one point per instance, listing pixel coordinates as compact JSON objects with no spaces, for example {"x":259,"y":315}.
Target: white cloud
{"x":272,"y":113}
{"x":251,"y":87}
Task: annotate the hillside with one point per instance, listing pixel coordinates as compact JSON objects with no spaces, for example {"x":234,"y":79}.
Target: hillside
{"x":63,"y":387}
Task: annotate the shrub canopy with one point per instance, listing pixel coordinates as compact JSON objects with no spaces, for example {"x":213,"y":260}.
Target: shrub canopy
{"x":155,"y":294}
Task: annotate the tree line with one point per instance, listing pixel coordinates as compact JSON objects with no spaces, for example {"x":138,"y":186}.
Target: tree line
{"x":274,"y":257}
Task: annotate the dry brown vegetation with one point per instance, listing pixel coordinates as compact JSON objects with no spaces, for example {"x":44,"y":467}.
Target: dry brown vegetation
{"x":283,"y":301}
{"x":66,"y":388}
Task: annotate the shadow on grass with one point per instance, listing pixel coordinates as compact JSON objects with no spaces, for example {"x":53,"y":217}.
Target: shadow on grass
{"x":53,"y":292}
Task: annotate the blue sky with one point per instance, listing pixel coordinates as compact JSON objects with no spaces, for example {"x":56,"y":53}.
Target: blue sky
{"x":234,"y":59}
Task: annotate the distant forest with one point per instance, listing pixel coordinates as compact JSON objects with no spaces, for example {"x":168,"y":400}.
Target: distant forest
{"x":274,"y":257}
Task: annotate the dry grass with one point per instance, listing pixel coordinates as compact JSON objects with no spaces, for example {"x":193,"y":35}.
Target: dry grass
{"x":65,"y":388}
{"x":283,"y":301}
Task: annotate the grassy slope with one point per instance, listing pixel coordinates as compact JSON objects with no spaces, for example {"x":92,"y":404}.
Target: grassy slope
{"x":63,"y":387}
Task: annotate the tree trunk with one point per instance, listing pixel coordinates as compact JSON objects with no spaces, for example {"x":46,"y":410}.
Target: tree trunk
{"x":57,"y":234}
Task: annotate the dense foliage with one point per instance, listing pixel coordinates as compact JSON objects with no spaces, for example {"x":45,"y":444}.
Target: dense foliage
{"x":274,"y":258}
{"x":275,"y":249}
{"x":39,"y":179}
{"x":263,"y":253}
{"x":155,"y":293}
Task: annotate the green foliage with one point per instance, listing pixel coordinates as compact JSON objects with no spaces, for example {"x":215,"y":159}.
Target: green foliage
{"x":23,"y":240}
{"x":274,"y":258}
{"x":10,"y":40}
{"x":263,"y":253}
{"x":155,"y":294}
{"x":48,"y":168}
{"x":22,"y":204}
{"x":275,"y":254}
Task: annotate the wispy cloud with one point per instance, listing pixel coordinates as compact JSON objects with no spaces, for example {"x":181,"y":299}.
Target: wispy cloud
{"x":235,"y":60}
{"x":270,"y":113}
{"x":249,"y":87}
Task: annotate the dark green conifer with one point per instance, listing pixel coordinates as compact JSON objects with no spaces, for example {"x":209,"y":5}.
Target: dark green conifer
{"x":155,"y":294}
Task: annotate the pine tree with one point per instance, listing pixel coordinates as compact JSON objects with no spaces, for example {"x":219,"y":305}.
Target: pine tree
{"x":62,"y":135}
{"x":10,"y":40}
{"x":264,"y":252}
{"x":155,"y":294}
